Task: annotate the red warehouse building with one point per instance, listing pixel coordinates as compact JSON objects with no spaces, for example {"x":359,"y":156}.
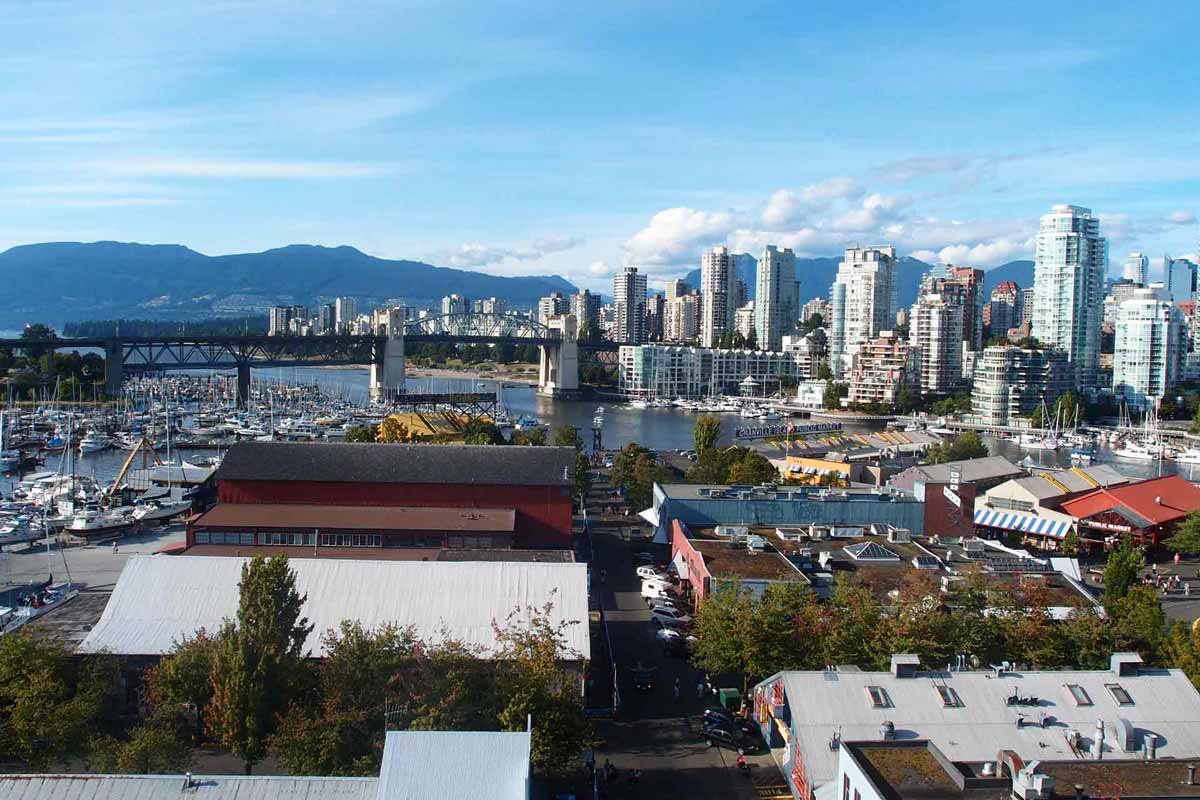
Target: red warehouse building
{"x":1148,"y":511}
{"x":402,"y":501}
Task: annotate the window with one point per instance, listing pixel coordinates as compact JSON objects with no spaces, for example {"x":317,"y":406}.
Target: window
{"x":857,"y":796}
{"x":288,"y":539}
{"x":879,"y":697}
{"x":351,"y":540}
{"x":1079,"y":694}
{"x":1119,"y":694}
{"x":845,"y":787}
{"x":950,"y":698}
{"x":219,"y":537}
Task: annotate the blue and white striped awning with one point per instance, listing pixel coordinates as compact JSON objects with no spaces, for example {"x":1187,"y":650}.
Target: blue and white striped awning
{"x":1025,"y":523}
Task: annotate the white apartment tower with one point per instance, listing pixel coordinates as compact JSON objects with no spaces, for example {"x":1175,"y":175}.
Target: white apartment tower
{"x":1070,"y":260}
{"x":775,"y":297}
{"x":936,"y":336}
{"x":629,"y":298}
{"x":718,"y":295}
{"x":1149,"y":348}
{"x":345,"y":311}
{"x":862,"y":301}
{"x":1136,"y":268}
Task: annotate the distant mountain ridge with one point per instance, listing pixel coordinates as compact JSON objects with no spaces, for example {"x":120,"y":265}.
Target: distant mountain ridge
{"x":816,"y":275}
{"x":64,"y":281}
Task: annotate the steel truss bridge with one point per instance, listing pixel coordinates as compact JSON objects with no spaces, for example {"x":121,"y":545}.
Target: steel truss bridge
{"x":134,"y":354}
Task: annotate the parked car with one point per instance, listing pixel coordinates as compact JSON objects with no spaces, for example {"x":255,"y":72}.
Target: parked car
{"x":644,"y":676}
{"x":647,"y":572}
{"x":725,"y":718}
{"x":664,"y":602}
{"x":732,"y":738}
{"x":671,"y":617}
{"x":676,"y":646}
{"x":644,"y":557}
{"x":652,"y":592}
{"x":663,"y":582}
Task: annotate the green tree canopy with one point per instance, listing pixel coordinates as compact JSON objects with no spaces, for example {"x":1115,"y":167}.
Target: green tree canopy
{"x":1121,"y":572}
{"x":964,"y":446}
{"x":1186,"y":538}
{"x":360,"y":433}
{"x":706,"y":433}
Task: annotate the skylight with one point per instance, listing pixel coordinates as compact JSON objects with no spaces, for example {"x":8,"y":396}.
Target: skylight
{"x":879,"y":697}
{"x":1079,"y":694}
{"x":950,"y":698}
{"x":1119,"y":694}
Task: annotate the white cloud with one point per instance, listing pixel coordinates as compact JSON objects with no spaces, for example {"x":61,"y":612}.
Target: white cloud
{"x":600,"y":269}
{"x":981,"y":254}
{"x":1181,"y":218}
{"x":676,"y":236}
{"x":874,"y":210}
{"x":474,"y":254}
{"x":240,"y":169}
{"x":787,"y":208}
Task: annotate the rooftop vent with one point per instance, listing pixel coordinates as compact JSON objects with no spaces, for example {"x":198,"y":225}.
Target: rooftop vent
{"x":905,"y":665}
{"x":1125,"y":664}
{"x":887,"y":731}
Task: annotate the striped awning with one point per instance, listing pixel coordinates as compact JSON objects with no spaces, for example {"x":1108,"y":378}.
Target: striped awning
{"x":1025,"y":523}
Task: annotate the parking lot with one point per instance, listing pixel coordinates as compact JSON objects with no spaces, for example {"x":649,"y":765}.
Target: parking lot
{"x":653,"y":732}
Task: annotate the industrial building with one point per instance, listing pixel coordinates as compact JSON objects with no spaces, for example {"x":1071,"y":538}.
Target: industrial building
{"x":1128,"y":711}
{"x":392,"y":501}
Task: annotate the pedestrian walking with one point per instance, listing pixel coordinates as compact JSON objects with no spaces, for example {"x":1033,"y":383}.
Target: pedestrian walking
{"x":675,"y":690}
{"x":634,"y":777}
{"x":699,"y":688}
{"x":1187,"y":589}
{"x":1177,"y":559}
{"x":114,"y":548}
{"x":603,"y":575}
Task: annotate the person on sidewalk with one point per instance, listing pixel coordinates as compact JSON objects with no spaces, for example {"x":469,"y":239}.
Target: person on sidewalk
{"x":675,"y":691}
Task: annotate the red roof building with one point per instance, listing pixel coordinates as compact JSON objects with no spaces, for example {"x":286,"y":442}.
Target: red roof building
{"x":1148,"y":510}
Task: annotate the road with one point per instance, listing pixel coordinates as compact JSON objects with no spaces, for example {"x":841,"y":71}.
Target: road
{"x":653,"y":732}
{"x":92,"y":567}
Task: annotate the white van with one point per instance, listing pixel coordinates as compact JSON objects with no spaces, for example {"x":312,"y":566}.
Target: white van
{"x":657,"y":591}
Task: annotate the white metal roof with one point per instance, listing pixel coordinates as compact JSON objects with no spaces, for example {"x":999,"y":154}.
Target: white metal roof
{"x":170,"y":787}
{"x":161,"y":599}
{"x":454,"y":765}
{"x":824,"y":703}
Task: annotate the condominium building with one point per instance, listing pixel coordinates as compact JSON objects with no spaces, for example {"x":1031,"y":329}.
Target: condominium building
{"x":326,"y":319}
{"x":1012,"y":382}
{"x":1003,"y":309}
{"x":776,"y":296}
{"x":492,"y":305}
{"x":454,"y":304}
{"x":1026,"y":306}
{"x":586,"y":308}
{"x":818,"y":306}
{"x":682,"y":322}
{"x":811,"y":351}
{"x":744,"y":323}
{"x":883,"y":367}
{"x":629,"y":299}
{"x":287,"y":320}
{"x":936,"y":337}
{"x":676,"y":288}
{"x":1149,"y":347}
{"x":1071,"y":258}
{"x":552,"y":306}
{"x":345,"y":312}
{"x":971,"y":281}
{"x":656,"y":317}
{"x":1118,"y":293}
{"x":1181,"y":278}
{"x":718,"y":294}
{"x":1136,"y":268}
{"x":862,"y":302}
{"x":668,"y":371}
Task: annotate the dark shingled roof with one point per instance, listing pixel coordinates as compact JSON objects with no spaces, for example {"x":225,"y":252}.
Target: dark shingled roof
{"x":399,"y":463}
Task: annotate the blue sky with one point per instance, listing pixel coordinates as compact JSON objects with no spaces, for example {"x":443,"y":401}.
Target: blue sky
{"x":534,"y":138}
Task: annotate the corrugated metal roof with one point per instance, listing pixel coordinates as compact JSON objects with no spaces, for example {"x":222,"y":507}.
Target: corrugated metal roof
{"x":451,"y":765}
{"x":823,"y":703}
{"x":161,"y":599}
{"x":1154,"y":501}
{"x":374,"y":518}
{"x":344,"y":462}
{"x":1016,"y":521}
{"x":170,"y":787}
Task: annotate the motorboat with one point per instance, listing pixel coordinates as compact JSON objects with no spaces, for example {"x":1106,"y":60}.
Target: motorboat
{"x":91,"y":443}
{"x":9,"y":460}
{"x":42,"y":599}
{"x":1189,"y":456}
{"x":160,"y":510}
{"x":94,"y":523}
{"x":1137,"y":451}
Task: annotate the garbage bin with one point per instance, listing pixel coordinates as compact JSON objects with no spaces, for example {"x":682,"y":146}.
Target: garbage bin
{"x":730,"y":699}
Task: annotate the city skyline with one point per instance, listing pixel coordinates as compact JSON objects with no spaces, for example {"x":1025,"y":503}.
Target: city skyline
{"x":532,"y":144}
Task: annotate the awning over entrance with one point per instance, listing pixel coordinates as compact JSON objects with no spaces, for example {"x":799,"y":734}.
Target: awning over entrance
{"x":650,"y":515}
{"x":1023,"y":523}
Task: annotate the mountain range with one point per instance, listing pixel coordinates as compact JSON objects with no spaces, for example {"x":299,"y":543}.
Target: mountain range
{"x":65,"y":281}
{"x":815,"y":276}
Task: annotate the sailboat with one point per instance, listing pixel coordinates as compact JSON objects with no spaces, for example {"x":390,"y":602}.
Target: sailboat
{"x":9,"y":459}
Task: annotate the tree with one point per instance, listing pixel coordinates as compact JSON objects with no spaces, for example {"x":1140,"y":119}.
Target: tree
{"x":183,"y":678}
{"x":963,"y":447}
{"x":647,"y":472}
{"x":1181,"y":649}
{"x":624,"y":463}
{"x":393,"y":431}
{"x":1120,"y":573}
{"x":152,"y":748}
{"x":752,"y":469}
{"x":824,"y":373}
{"x":568,"y":436}
{"x":812,"y":323}
{"x":1070,"y":544}
{"x":258,"y":664}
{"x":531,"y":683}
{"x":479,"y":431}
{"x":706,"y":433}
{"x":361,"y":433}
{"x":1186,"y":538}
{"x":535,"y":437}
{"x":834,"y":392}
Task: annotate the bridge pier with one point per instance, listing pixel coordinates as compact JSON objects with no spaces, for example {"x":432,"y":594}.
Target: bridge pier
{"x":243,"y":385}
{"x":387,"y":370}
{"x":114,"y":368}
{"x":558,"y":364}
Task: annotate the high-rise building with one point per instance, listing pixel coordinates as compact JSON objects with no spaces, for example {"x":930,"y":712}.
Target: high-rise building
{"x":629,"y":298}
{"x":326,"y":319}
{"x":345,"y":312}
{"x":862,"y":302}
{"x":1118,"y":293}
{"x":288,"y":321}
{"x":585,"y":306}
{"x":883,"y":367}
{"x":1026,"y":305}
{"x":492,"y":305}
{"x":656,"y":313}
{"x":1149,"y":347}
{"x":454,"y":304}
{"x":1003,"y":308}
{"x":973,"y":301}
{"x":744,"y":324}
{"x":1013,"y":382}
{"x":676,"y":288}
{"x":1070,"y":262}
{"x":551,"y":307}
{"x":818,"y":306}
{"x":718,"y":295}
{"x":682,"y":323}
{"x":1181,"y":278}
{"x":936,"y":337}
{"x":775,"y":296}
{"x":1136,"y":268}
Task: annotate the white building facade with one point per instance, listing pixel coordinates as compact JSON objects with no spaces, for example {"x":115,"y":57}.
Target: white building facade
{"x":667,"y":371}
{"x":936,"y":336}
{"x":1010,"y":383}
{"x":1071,"y":258}
{"x":629,"y":299}
{"x":776,"y":295}
{"x":1149,"y":348}
{"x":718,"y":295}
{"x":863,"y":302}
{"x":1136,"y":268}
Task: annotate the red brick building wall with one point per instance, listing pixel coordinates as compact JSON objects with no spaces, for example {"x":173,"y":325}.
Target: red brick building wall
{"x":543,"y":512}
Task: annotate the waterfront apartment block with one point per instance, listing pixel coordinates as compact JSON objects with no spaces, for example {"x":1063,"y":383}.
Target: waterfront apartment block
{"x":936,"y":337}
{"x":1150,"y":345}
{"x":718,"y":293}
{"x":670,"y":371}
{"x":863,"y":302}
{"x":776,"y":297}
{"x":629,"y":299}
{"x":1012,"y":382}
{"x":882,"y":368}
